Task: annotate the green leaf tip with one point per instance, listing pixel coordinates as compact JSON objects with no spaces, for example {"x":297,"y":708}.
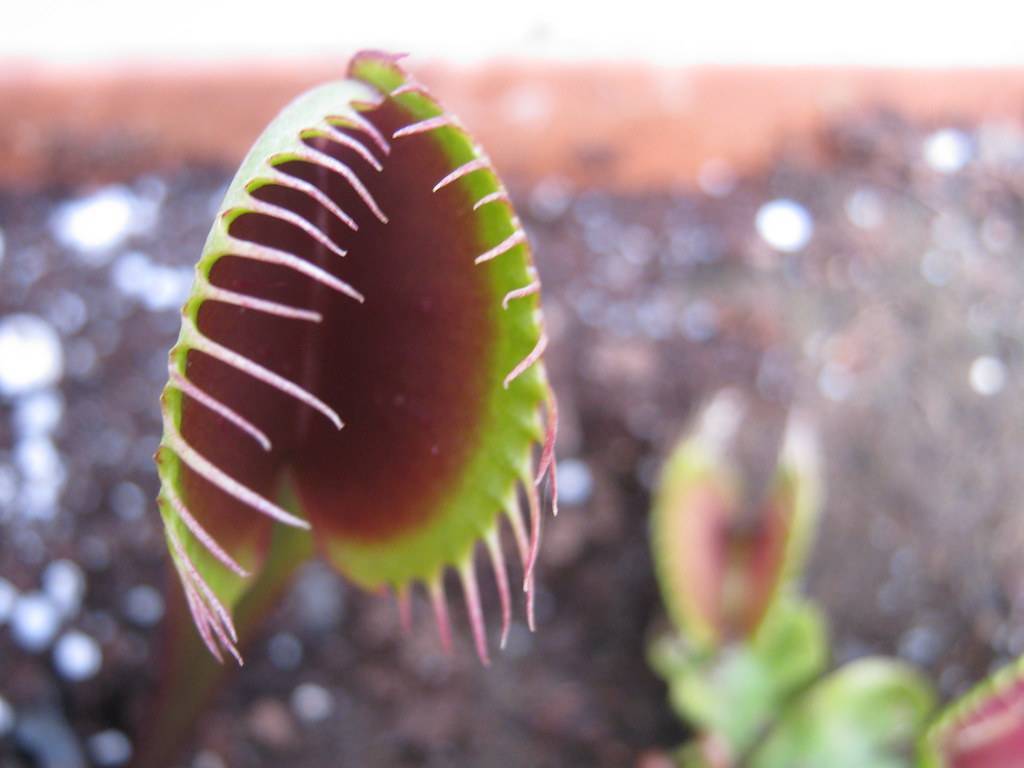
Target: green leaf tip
{"x":360,"y":355}
{"x":725,"y":551}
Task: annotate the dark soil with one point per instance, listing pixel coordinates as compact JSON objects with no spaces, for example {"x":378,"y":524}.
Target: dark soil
{"x":654,"y":303}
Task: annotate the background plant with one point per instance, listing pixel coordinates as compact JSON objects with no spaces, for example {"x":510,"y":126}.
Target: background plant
{"x":747,"y":656}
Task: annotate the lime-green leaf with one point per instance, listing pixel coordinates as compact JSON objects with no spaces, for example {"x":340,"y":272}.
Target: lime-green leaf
{"x":733,"y":693}
{"x":868,"y":713}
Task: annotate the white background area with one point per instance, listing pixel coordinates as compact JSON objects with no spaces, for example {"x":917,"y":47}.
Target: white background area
{"x":927,"y":33}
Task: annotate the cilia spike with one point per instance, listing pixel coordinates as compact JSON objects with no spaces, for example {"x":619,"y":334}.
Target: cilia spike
{"x":211,"y":293}
{"x":258,"y":252}
{"x":426,"y":339}
{"x":322,"y":159}
{"x":197,"y":341}
{"x":338,"y":136}
{"x":516,"y":238}
{"x":501,"y":582}
{"x":200,"y":533}
{"x":518,"y":293}
{"x":360,"y":123}
{"x":207,"y":610}
{"x":283,"y":214}
{"x":440,"y":606}
{"x":177,"y":380}
{"x":527,"y":362}
{"x":491,"y":197}
{"x":210,"y":472}
{"x":404,"y":601}
{"x":471,"y":592}
{"x":306,"y":188}
{"x":476,"y":164}
{"x":423,"y":126}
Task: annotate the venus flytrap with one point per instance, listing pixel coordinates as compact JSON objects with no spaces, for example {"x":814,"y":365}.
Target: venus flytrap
{"x":745,"y":660}
{"x":983,"y":729}
{"x":360,"y":357}
{"x":358,"y":374}
{"x":722,"y":557}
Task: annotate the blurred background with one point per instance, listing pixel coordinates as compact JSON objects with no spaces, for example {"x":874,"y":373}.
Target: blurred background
{"x":819,"y":205}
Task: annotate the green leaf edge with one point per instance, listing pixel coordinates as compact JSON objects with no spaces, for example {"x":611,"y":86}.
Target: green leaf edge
{"x":675,"y":662}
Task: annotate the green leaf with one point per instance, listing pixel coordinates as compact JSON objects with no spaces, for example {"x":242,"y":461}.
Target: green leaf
{"x":734,"y":692}
{"x":722,"y":561}
{"x":360,"y":356}
{"x":983,"y":729}
{"x":868,"y":713}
